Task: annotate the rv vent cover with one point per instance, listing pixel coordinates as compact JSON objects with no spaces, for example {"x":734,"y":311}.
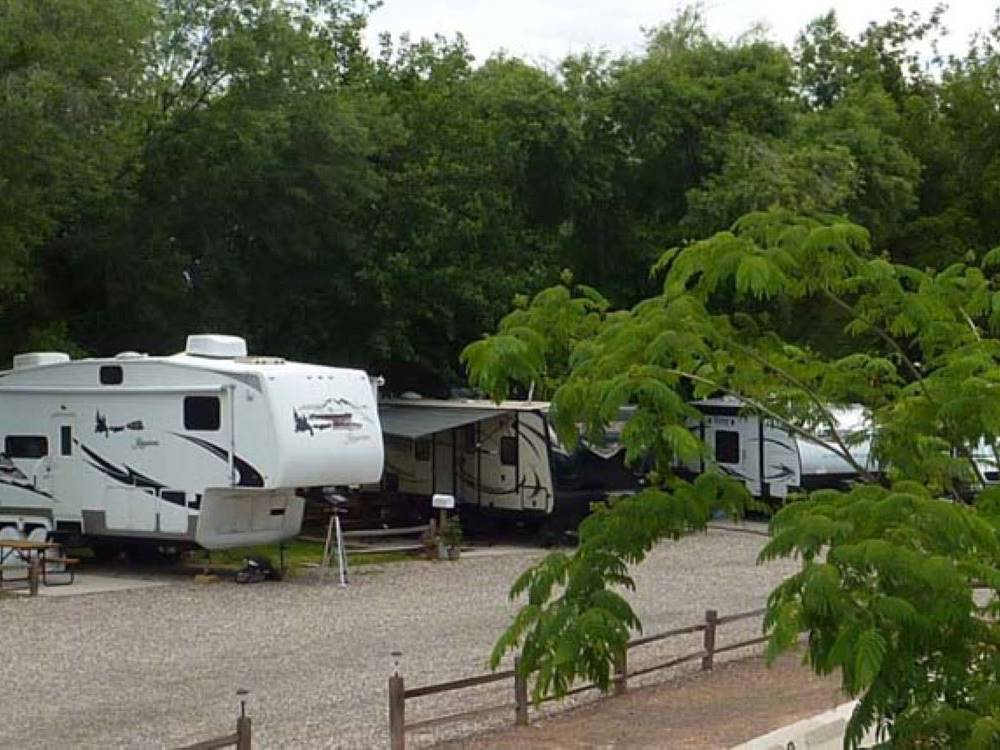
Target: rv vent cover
{"x":214,"y":345}
{"x":37,"y":359}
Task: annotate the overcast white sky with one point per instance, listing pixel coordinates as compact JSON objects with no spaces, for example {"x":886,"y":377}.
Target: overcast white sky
{"x":545,"y":30}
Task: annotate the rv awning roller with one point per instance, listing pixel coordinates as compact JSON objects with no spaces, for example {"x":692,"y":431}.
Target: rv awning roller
{"x":417,"y":422}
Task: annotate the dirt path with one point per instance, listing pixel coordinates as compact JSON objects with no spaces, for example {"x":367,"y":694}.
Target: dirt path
{"x":735,"y":703}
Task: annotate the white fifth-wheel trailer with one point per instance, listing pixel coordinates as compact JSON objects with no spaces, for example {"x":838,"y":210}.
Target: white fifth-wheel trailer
{"x":205,"y":448}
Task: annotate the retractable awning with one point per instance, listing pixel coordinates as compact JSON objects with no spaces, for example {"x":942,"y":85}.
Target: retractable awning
{"x":420,"y":421}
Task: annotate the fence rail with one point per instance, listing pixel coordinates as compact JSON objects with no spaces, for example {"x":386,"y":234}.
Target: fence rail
{"x":241,"y":739}
{"x":399,"y":693}
{"x":354,"y":539}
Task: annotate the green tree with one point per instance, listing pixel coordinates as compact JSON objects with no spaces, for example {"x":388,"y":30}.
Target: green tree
{"x":255,"y":189}
{"x":898,"y":578}
{"x":70,"y":84}
{"x":651,"y":129}
{"x":473,"y":203}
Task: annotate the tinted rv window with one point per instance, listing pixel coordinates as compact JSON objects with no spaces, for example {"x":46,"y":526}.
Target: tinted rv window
{"x":26,"y":446}
{"x":112,"y":375}
{"x":202,"y":413}
{"x":177,"y":497}
{"x":727,"y":447}
{"x":422,"y":450}
{"x":508,"y":451}
{"x":66,"y":440}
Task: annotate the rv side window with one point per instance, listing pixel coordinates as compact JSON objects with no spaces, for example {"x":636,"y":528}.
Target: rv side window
{"x":508,"y":451}
{"x":26,"y":446}
{"x":176,"y":497}
{"x":111,"y":375}
{"x":202,"y":413}
{"x":727,"y":447}
{"x":422,"y":450}
{"x":66,"y":440}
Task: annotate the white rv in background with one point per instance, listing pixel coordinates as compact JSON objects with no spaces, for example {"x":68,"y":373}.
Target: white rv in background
{"x":506,"y":459}
{"x":203,"y":448}
{"x":755,"y":450}
{"x":770,"y":459}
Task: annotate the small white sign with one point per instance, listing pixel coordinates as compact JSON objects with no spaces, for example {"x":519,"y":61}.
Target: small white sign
{"x":443,"y":501}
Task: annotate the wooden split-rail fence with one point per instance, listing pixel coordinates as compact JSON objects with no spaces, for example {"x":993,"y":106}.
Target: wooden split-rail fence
{"x":241,"y":739}
{"x":370,"y":541}
{"x":399,"y":694}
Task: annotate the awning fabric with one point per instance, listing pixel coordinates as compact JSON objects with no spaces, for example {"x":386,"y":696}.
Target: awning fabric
{"x":419,"y":421}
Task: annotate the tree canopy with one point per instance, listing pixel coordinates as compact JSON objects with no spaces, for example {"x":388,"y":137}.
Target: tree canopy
{"x":180,"y":165}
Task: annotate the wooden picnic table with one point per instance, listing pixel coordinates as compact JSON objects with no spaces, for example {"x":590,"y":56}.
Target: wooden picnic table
{"x":23,"y":549}
{"x":26,"y":544}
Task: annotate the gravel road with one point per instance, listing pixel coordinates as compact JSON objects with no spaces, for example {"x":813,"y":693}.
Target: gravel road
{"x":159,"y":667}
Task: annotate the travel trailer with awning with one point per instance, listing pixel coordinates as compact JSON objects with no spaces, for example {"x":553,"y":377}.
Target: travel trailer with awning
{"x":504,"y":459}
{"x":204,"y":448}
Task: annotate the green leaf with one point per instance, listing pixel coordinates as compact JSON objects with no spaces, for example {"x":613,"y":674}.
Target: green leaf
{"x":870,"y":651}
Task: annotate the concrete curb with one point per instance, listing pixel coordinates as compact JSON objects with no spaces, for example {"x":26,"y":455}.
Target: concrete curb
{"x":824,"y":731}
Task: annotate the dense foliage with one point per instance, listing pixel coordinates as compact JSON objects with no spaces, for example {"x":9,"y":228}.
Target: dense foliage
{"x":899,"y":577}
{"x":178,"y":165}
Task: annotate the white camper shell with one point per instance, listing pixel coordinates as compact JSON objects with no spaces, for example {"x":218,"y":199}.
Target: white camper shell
{"x":203,"y":448}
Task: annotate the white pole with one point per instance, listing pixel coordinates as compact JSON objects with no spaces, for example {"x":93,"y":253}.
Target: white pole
{"x":231,"y":390}
{"x":341,"y":554}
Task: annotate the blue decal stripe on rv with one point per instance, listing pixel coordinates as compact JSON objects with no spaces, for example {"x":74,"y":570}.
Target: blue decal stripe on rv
{"x":248,"y":475}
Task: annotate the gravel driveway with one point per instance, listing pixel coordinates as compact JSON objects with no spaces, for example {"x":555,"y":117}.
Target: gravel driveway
{"x":159,"y":667}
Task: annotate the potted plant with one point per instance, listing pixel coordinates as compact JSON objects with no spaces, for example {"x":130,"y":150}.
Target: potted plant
{"x":450,"y":539}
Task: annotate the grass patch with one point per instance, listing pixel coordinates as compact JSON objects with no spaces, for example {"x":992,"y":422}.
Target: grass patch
{"x":298,"y":554}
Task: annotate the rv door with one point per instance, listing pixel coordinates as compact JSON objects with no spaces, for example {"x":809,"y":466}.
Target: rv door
{"x":735,"y":443}
{"x":60,"y":476}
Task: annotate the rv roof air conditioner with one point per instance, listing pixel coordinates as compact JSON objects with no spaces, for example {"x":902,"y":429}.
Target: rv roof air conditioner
{"x":216,"y":346}
{"x":37,"y":359}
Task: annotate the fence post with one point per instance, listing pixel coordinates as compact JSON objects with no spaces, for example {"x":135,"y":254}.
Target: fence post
{"x":243,"y":733}
{"x":34,"y":572}
{"x":397,"y":706}
{"x":621,"y":671}
{"x":711,"y":619}
{"x":520,"y":695}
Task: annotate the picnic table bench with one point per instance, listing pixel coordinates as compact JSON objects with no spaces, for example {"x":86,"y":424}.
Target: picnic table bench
{"x":35,"y":554}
